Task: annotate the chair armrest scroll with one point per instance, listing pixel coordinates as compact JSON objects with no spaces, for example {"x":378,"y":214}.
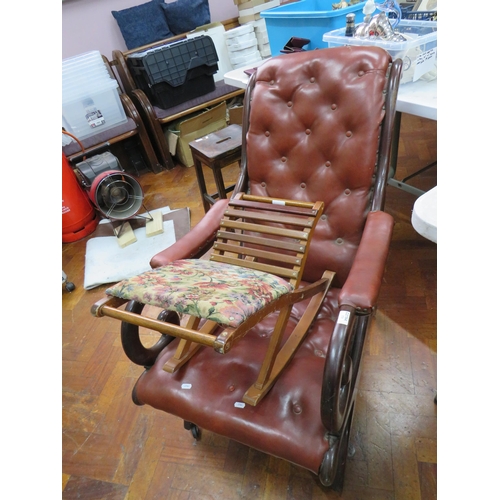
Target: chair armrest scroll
{"x":197,"y":241}
{"x":362,"y":286}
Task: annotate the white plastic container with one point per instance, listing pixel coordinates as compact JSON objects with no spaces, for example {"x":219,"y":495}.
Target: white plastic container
{"x":241,"y":48}
{"x":265,"y":50}
{"x":242,"y":56}
{"x":262,"y":37}
{"x":259,"y":26}
{"x":90,"y":99}
{"x":243,"y":61}
{"x":241,"y":39}
{"x":240,"y":30}
{"x":87,"y":113}
{"x":418,"y":53}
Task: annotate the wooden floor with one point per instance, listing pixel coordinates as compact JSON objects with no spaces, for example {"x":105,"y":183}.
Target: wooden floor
{"x":112,"y":449}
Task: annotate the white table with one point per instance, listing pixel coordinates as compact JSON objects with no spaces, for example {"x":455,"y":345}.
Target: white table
{"x":424,"y":215}
{"x":418,"y":98}
{"x":424,"y":218}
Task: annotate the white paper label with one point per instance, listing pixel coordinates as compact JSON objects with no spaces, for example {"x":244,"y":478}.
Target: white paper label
{"x":344,"y":318}
{"x":94,"y":117}
{"x":186,"y":386}
{"x":239,"y":405}
{"x":426,"y":61}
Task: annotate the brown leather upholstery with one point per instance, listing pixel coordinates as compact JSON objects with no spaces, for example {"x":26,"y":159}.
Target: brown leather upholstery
{"x":323,"y":114}
{"x":319,"y":129}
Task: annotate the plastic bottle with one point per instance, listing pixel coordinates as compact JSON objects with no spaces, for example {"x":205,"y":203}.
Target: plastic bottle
{"x":350,"y":27}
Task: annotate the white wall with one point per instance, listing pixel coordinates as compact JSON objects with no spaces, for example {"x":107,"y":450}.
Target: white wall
{"x":89,"y":24}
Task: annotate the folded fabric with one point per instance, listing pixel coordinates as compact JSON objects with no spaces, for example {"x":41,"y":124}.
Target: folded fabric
{"x":142,"y":24}
{"x":186,"y":15}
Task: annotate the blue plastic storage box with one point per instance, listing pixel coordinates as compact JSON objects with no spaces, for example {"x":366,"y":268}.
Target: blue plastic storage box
{"x":306,"y":19}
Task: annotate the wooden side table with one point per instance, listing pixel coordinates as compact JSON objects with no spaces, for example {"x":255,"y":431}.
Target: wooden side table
{"x":216,"y":150}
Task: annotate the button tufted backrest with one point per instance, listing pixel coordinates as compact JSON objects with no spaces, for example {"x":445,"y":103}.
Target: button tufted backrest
{"x":313,"y":134}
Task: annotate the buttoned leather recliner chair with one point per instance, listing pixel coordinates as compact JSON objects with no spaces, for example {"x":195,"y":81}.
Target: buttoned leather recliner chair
{"x":317,"y":125}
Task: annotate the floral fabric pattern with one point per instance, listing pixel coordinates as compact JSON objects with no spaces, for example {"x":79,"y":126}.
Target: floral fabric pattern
{"x":216,"y":291}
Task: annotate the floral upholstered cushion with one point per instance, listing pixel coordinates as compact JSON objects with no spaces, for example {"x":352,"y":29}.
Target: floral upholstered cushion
{"x":220,"y":292}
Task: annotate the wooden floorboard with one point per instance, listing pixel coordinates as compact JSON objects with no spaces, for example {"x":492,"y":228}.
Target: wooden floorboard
{"x":112,"y":449}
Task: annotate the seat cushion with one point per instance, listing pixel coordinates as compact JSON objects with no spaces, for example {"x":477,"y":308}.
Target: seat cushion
{"x":216,"y":291}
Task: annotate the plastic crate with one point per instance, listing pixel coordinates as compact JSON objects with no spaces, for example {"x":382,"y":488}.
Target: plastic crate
{"x":408,"y":13}
{"x":309,"y":19}
{"x":418,"y":53}
{"x":177,"y":72}
{"x":424,"y":15}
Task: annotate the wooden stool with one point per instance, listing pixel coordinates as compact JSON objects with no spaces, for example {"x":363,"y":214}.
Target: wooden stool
{"x":216,"y":150}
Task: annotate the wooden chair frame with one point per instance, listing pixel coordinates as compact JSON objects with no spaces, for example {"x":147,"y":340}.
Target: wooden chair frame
{"x":266,"y":235}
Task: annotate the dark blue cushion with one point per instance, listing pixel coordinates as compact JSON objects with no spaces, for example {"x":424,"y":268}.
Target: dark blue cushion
{"x":186,"y":15}
{"x":142,"y":24}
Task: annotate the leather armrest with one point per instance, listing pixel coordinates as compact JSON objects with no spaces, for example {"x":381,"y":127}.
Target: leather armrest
{"x":196,"y":241}
{"x":362,"y":286}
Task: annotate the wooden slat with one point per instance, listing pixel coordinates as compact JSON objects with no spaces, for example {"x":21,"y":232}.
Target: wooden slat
{"x":254,"y":252}
{"x":292,"y":203}
{"x":271,"y":218}
{"x":258,"y":228}
{"x":258,"y":266}
{"x":159,"y":326}
{"x":258,"y":240}
{"x":274,"y":207}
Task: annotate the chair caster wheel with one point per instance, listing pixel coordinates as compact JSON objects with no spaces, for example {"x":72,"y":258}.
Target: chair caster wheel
{"x":195,"y":430}
{"x":69,"y":286}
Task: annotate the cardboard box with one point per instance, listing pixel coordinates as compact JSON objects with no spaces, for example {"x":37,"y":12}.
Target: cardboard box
{"x":249,"y":4}
{"x":181,"y":132}
{"x":236,"y":115}
{"x":248,"y":19}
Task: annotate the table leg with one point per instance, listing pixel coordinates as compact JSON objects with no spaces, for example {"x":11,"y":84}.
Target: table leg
{"x":201,"y":183}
